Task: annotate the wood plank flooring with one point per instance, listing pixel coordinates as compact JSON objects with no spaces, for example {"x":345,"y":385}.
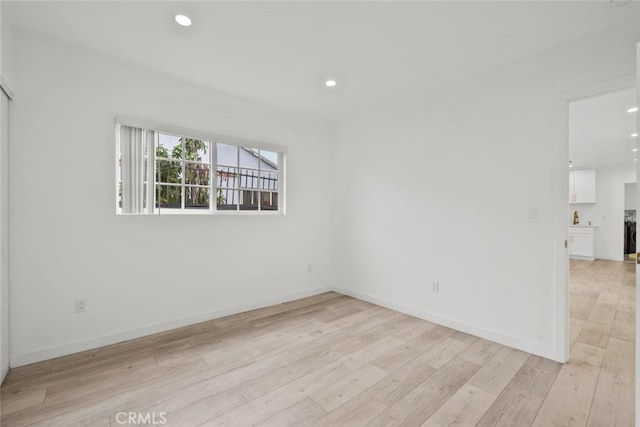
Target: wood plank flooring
{"x":331,"y":360}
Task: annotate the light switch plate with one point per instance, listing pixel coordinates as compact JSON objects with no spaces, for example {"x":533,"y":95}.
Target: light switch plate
{"x":533,"y":214}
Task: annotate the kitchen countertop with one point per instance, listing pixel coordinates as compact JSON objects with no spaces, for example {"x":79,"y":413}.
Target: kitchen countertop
{"x":583,"y":226}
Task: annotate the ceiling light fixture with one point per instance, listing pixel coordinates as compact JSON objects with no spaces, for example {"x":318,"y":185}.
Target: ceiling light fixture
{"x":634,"y":150}
{"x":183,"y":20}
{"x":330,"y":83}
{"x":635,"y":160}
{"x":632,"y":110}
{"x":570,"y":164}
{"x":633,"y":135}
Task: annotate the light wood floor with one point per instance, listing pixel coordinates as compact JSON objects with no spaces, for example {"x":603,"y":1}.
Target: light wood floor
{"x":331,"y":360}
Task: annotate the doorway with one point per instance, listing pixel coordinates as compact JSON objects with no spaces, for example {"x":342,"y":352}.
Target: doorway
{"x":629,"y":245}
{"x":601,"y":281}
{"x":602,"y":161}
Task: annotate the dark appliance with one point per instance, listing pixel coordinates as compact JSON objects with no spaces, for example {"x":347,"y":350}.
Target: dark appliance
{"x":629,"y":237}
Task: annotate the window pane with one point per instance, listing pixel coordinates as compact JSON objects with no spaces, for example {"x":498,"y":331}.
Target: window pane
{"x":169,"y":146}
{"x":169,"y":196}
{"x":227,"y":154}
{"x":227,"y":199}
{"x":227,"y":177}
{"x":169,"y":172}
{"x":196,"y":198}
{"x":196,"y":150}
{"x":269,"y":180}
{"x":271,"y":158}
{"x":249,"y":158}
{"x":249,"y":178}
{"x":249,"y":200}
{"x":197,"y":174}
{"x":269,"y":201}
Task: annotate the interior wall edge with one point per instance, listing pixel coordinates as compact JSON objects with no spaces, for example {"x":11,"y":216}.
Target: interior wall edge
{"x":43,"y":354}
{"x":490,"y":335}
{"x":560,"y":211}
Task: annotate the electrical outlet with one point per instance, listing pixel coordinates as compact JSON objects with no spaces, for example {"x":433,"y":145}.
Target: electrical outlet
{"x":81,"y":305}
{"x":309,"y":269}
{"x":435,"y":286}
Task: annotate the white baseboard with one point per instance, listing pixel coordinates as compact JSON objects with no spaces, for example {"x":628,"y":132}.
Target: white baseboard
{"x":582,"y":258}
{"x":93,"y":343}
{"x":513,"y":342}
{"x":611,"y":258}
{"x":607,"y":258}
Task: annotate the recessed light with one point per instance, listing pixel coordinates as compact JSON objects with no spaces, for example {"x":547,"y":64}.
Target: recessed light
{"x":633,"y":135}
{"x":632,"y":110}
{"x":634,"y":150}
{"x":330,"y":83}
{"x":183,"y":20}
{"x":635,"y":160}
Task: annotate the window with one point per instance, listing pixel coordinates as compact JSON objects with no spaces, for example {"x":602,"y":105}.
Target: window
{"x":170,"y":171}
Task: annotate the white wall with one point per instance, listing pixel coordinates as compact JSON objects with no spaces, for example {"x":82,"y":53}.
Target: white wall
{"x":4,"y":235}
{"x":142,"y":274}
{"x":2,"y":27}
{"x":630,"y":196}
{"x":6,"y":48}
{"x":608,"y":211}
{"x":439,"y":189}
{"x":5,"y":70}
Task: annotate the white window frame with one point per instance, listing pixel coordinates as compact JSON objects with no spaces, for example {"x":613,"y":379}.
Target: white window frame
{"x":213,"y":139}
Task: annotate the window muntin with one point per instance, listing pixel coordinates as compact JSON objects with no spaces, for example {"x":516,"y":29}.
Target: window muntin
{"x":178,"y":174}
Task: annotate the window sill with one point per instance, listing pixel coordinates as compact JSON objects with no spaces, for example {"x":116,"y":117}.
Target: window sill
{"x":169,"y":212}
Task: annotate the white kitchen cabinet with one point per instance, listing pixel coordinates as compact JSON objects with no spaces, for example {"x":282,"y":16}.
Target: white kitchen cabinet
{"x":582,"y":186}
{"x":582,"y":242}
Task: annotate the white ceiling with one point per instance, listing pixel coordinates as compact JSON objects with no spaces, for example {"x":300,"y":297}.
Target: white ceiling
{"x":280,"y":53}
{"x":600,"y":130}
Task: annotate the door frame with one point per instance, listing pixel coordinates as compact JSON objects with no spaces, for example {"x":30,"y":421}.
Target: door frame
{"x":561,"y":231}
{"x":5,"y":94}
{"x":624,"y":205}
